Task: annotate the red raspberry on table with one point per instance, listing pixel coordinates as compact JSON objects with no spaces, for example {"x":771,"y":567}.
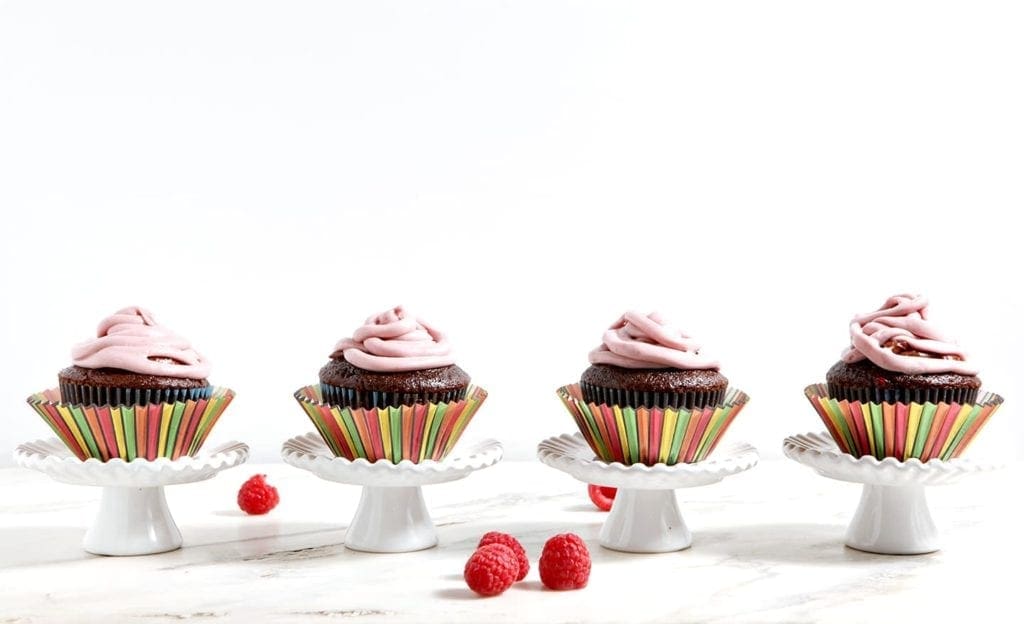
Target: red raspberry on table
{"x":491,"y":569}
{"x":602,"y":496}
{"x":496,"y":537}
{"x":565,"y":562}
{"x":257,"y":497}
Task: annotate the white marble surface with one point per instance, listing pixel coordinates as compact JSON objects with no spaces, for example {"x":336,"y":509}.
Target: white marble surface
{"x":767,"y":547}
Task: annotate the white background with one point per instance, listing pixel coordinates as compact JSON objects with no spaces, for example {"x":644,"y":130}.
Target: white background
{"x":265,"y":175}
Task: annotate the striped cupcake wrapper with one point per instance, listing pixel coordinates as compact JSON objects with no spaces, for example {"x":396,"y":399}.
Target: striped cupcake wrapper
{"x":416,"y":432}
{"x":655,"y":435}
{"x":921,"y":431}
{"x":130,"y":432}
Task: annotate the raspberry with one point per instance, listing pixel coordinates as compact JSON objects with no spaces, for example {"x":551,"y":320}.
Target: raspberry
{"x":257,"y":497}
{"x":494,"y":537}
{"x":602,"y":496}
{"x":565,"y":562}
{"x":491,"y":569}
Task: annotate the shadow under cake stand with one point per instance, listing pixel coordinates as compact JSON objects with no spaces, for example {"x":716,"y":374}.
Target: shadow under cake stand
{"x":893,"y":516}
{"x":645,"y":516}
{"x":133,"y":517}
{"x":392,"y":516}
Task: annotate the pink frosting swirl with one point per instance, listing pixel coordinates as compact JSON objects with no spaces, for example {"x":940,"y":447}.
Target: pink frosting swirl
{"x":899,"y":337}
{"x":637,"y":340}
{"x":394,"y":341}
{"x":131,"y":340}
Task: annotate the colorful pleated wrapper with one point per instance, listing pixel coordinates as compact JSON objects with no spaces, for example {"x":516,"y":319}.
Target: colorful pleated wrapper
{"x":418,"y":432}
{"x":902,"y":430}
{"x":129,"y":432}
{"x":652,"y":435}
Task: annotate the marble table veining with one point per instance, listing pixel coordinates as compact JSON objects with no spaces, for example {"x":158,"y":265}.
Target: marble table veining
{"x":767,"y":548}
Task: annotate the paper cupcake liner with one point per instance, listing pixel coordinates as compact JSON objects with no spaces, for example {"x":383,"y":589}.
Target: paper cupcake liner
{"x":902,"y":430}
{"x":99,"y":395}
{"x":415,"y":432}
{"x":635,"y":398}
{"x":337,"y":395}
{"x":655,"y":435}
{"x":961,"y":396}
{"x":128,"y":432}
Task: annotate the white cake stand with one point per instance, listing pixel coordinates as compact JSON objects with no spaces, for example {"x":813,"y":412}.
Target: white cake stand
{"x":133,"y":518}
{"x":892,"y":517}
{"x":645,"y":516}
{"x":392,"y":516}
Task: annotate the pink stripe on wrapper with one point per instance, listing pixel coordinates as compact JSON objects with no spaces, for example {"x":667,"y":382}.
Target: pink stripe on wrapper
{"x":609,"y":421}
{"x":947,"y":425}
{"x":103,"y":416}
{"x":69,"y":438}
{"x":857,"y":416}
{"x":902,"y":412}
{"x":657,"y":423}
{"x":419,"y":418}
{"x":698,"y":433}
{"x":933,"y":432}
{"x":155,"y":415}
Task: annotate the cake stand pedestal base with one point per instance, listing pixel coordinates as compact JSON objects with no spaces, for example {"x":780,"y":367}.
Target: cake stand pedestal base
{"x":133,"y":518}
{"x":645,"y":516}
{"x":893,"y":516}
{"x":392,"y":516}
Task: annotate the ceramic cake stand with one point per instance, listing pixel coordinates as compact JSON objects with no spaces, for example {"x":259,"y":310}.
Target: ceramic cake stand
{"x":645,"y":516}
{"x":392,"y":516}
{"x":893,"y":516}
{"x":133,"y":518}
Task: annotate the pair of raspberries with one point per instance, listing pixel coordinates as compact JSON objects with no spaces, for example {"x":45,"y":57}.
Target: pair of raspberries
{"x":500,"y":560}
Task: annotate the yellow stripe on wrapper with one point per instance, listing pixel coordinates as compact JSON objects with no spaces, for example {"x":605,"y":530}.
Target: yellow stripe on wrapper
{"x":429,"y":423}
{"x":927,"y":432}
{"x":100,"y":432}
{"x":165,"y":425}
{"x":385,"y":433}
{"x":865,"y":414}
{"x":69,"y":420}
{"x":667,"y":429}
{"x":913,"y":422}
{"x":115,"y":413}
{"x":430,"y":436}
{"x":669,"y":436}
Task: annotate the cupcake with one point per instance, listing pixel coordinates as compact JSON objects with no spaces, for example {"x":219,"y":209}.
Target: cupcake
{"x":651,"y":395}
{"x":902,"y":388}
{"x":393,"y":359}
{"x":136,"y":390}
{"x":392,"y":392}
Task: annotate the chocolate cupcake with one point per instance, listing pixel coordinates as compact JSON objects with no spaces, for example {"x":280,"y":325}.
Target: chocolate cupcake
{"x":902,"y":389}
{"x":641,"y":362}
{"x":137,"y":391}
{"x":651,"y":396}
{"x":897,"y":355}
{"x":134,"y":361}
{"x":392,"y":392}
{"x":393,"y":359}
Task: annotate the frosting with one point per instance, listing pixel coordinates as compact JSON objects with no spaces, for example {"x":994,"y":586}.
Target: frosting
{"x":131,"y":340}
{"x":637,"y":340}
{"x":899,"y":337}
{"x":394,"y":341}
